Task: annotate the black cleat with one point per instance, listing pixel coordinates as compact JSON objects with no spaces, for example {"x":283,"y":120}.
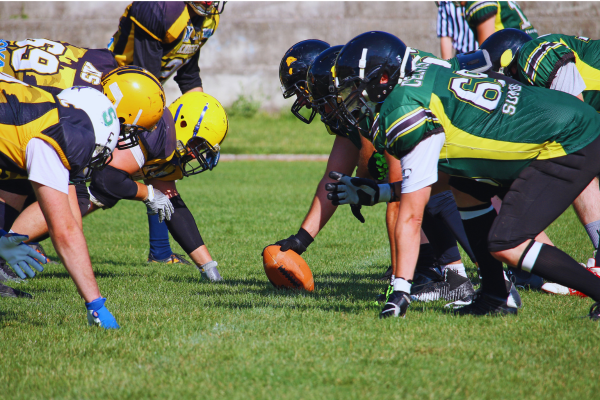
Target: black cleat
{"x":595,"y":312}
{"x":7,"y":291}
{"x":383,"y":297}
{"x":7,"y":274}
{"x":454,"y":287}
{"x":387,"y":275}
{"x":396,"y":306}
{"x":487,"y":304}
{"x":523,"y":279}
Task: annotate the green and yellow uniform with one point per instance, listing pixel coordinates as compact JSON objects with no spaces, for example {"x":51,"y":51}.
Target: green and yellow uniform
{"x":539,"y":60}
{"x":492,"y":129}
{"x":54,"y":65}
{"x":27,"y":112}
{"x":506,"y":14}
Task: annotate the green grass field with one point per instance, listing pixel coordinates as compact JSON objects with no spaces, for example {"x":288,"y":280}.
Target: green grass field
{"x":183,"y":338}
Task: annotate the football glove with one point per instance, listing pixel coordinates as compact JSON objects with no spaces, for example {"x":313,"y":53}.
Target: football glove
{"x":357,"y":190}
{"x":355,"y":208}
{"x":159,"y":203}
{"x":98,"y":314}
{"x":19,"y":255}
{"x":298,"y":242}
{"x":210,"y":272}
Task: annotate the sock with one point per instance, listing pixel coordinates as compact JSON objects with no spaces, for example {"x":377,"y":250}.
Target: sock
{"x":458,"y":268}
{"x":593,"y":231}
{"x":159,"y":238}
{"x":477,"y":222}
{"x":557,"y":266}
{"x":8,"y":215}
{"x":401,"y":285}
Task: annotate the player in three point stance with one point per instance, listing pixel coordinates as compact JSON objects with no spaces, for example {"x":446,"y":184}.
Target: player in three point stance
{"x":165,"y":38}
{"x":46,"y":141}
{"x":570,"y":64}
{"x":494,"y":136}
{"x":305,"y":72}
{"x":179,"y":147}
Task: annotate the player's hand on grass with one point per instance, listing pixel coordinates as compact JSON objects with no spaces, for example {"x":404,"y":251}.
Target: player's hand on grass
{"x":98,"y":314}
{"x":357,"y":190}
{"x":298,"y":242}
{"x":20,"y":256}
{"x":159,"y":203}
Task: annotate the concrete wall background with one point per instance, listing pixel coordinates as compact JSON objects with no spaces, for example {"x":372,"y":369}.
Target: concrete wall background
{"x":244,"y":54}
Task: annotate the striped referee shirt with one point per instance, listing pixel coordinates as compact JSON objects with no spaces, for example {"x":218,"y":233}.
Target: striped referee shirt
{"x":452,"y":23}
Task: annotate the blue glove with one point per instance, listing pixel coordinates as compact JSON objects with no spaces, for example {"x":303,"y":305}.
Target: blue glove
{"x":19,"y":255}
{"x":99,"y":315}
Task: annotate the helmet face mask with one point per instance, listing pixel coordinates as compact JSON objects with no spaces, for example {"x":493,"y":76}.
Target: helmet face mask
{"x":207,"y":8}
{"x":197,"y":156}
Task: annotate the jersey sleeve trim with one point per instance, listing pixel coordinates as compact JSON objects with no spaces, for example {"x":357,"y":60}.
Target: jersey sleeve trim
{"x":178,"y":26}
{"x":145,"y":29}
{"x":537,"y":56}
{"x":486,"y":10}
{"x":408,"y":123}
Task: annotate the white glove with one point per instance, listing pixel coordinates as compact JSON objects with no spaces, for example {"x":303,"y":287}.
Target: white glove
{"x":20,"y":256}
{"x":158,"y":203}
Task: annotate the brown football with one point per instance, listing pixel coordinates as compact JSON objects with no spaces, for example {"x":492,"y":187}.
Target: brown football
{"x":286,"y":269}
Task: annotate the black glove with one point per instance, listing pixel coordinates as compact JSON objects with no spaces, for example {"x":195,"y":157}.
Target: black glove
{"x":355,"y":208}
{"x":298,"y":242}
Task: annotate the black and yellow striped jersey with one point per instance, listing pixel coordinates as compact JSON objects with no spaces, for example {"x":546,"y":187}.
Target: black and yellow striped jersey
{"x":539,"y":60}
{"x":164,"y":38}
{"x":54,"y":65}
{"x":28,"y":112}
{"x":506,"y":14}
{"x":159,"y":148}
{"x":494,"y":128}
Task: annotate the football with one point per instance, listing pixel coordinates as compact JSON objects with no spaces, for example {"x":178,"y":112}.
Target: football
{"x":286,"y":269}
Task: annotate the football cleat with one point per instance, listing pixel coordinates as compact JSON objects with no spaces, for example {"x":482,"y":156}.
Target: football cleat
{"x":172,"y":259}
{"x":555,"y":288}
{"x":210,"y":272}
{"x":396,"y":306}
{"x":453,"y":287}
{"x":7,"y":291}
{"x":524,"y":280}
{"x":38,"y":247}
{"x":487,"y":304}
{"x":595,"y":312}
{"x":383,"y":297}
{"x":7,"y":273}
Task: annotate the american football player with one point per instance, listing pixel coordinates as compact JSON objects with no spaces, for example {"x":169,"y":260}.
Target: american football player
{"x":46,"y":141}
{"x":492,"y":135}
{"x":181,"y":146}
{"x":570,"y":64}
{"x":305,"y":72}
{"x":165,"y":37}
{"x":487,"y":17}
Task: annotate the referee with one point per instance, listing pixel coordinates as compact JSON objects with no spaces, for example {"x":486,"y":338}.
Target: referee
{"x":453,"y":30}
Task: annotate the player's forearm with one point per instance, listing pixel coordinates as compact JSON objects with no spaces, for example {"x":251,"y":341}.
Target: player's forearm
{"x":142,"y":192}
{"x":320,"y":212}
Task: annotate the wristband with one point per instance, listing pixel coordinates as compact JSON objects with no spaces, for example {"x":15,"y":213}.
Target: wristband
{"x":385,"y":192}
{"x":304,"y":237}
{"x":150,"y":193}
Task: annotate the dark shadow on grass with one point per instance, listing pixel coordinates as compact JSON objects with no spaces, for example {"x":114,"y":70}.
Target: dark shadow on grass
{"x":65,"y":275}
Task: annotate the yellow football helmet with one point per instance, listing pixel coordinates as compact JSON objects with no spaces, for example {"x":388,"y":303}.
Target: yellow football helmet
{"x":207,"y":8}
{"x":139,"y":99}
{"x":200,"y":126}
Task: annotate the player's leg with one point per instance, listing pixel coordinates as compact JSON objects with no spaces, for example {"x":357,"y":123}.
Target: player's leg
{"x":541,"y":193}
{"x":160,"y":248}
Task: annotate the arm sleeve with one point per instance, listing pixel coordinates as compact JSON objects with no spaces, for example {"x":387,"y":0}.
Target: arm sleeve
{"x":147,"y":52}
{"x":477,"y":12}
{"x":45,"y":167}
{"x":420,"y":166}
{"x":568,"y":80}
{"x":188,"y":76}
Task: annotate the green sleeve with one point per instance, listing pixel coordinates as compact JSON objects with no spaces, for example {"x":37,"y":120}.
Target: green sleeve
{"x":539,"y":60}
{"x":477,"y":12}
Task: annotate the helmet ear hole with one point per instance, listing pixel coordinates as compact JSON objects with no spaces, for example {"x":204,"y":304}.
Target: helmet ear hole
{"x":183,"y":124}
{"x":121,"y":120}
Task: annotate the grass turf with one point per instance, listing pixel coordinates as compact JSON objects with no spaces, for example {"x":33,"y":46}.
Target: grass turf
{"x":184,"y":338}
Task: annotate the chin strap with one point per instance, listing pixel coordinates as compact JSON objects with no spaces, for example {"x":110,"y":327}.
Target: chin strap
{"x":404,"y":61}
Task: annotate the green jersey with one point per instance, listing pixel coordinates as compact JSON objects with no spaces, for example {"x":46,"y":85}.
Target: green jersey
{"x":539,"y":60}
{"x":506,"y":14}
{"x":493,"y":129}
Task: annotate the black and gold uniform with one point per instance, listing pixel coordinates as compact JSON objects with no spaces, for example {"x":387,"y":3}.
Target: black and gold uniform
{"x":27,"y":112}
{"x":54,"y":65}
{"x":165,"y":38}
{"x":506,"y":14}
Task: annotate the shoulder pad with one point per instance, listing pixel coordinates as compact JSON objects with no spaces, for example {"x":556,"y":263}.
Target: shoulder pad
{"x":475,"y":61}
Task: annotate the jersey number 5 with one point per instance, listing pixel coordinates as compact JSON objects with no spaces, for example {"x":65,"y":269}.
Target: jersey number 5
{"x":483,"y":95}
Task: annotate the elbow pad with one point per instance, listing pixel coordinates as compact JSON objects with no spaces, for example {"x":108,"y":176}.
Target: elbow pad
{"x":110,"y":185}
{"x":183,"y":226}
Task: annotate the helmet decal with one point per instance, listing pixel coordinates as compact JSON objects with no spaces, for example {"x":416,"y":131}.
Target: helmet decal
{"x":137,"y":117}
{"x":362,"y":63}
{"x":290,"y":60}
{"x":116,"y":92}
{"x":177,"y":112}
{"x":197,"y":127}
{"x":506,"y":58}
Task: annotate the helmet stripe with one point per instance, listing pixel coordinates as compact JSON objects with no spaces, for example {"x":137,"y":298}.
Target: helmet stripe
{"x":197,"y":127}
{"x":177,"y":112}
